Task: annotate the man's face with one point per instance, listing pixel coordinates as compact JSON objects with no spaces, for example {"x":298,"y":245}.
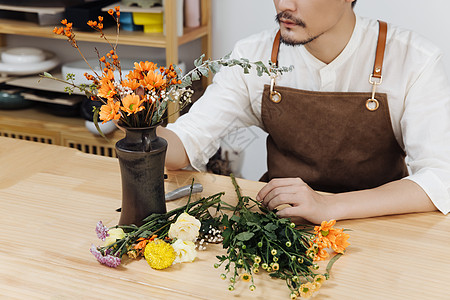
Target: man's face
{"x":302,"y":21}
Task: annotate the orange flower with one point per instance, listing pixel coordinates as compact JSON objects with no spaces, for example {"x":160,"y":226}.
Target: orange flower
{"x":110,"y":111}
{"x":92,"y":23}
{"x":329,"y":237}
{"x":146,"y":66}
{"x":153,"y":80}
{"x":107,"y":89}
{"x":134,"y":75}
{"x":321,"y":254}
{"x":100,"y":18}
{"x":111,"y":12}
{"x":132,"y":104}
{"x":325,"y":226}
{"x":142,"y":243}
{"x":131,"y":84}
{"x":108,"y":75}
{"x":64,"y":22}
{"x":341,"y":242}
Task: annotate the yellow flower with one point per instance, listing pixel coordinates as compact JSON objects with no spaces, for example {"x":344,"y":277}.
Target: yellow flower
{"x":319,"y":280}
{"x":114,"y":234}
{"x":246,"y":277}
{"x":185,"y":228}
{"x":275,"y":266}
{"x":159,"y":254}
{"x":132,"y":254}
{"x":307,"y":289}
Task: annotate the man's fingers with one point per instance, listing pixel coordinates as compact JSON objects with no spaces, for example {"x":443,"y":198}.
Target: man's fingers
{"x":275,"y":183}
{"x":281,"y":195}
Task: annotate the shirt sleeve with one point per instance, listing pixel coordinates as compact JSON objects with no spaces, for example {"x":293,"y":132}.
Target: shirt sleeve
{"x":224,"y":107}
{"x":426,"y":132}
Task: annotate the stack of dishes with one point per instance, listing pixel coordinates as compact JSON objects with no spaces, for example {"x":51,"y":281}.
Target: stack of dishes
{"x":26,"y":61}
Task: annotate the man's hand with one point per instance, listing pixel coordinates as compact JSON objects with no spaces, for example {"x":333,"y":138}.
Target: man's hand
{"x":302,"y":201}
{"x":397,"y":197}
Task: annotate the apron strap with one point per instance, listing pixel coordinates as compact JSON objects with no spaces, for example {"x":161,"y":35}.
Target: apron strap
{"x":275,"y":48}
{"x":381,"y":45}
{"x":379,"y":57}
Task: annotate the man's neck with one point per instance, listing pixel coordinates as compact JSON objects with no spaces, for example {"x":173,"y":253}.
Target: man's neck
{"x":330,"y":44}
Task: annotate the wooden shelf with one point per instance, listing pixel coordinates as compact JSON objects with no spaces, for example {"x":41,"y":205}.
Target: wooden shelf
{"x":37,"y":125}
{"x":133,"y":38}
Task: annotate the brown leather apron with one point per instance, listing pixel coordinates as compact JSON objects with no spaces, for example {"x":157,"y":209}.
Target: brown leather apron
{"x":335,"y":142}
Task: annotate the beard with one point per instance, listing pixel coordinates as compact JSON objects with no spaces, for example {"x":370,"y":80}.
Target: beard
{"x":288,"y":40}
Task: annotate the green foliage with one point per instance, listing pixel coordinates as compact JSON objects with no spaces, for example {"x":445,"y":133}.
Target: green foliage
{"x":159,"y":224}
{"x":260,"y":239}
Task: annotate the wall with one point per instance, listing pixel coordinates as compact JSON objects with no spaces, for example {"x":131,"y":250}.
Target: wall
{"x":236,"y":19}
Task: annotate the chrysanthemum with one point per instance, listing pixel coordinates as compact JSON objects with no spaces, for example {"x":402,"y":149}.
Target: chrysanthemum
{"x":307,"y":289}
{"x":107,"y":90}
{"x":159,"y":254}
{"x":246,"y":277}
{"x":132,"y":104}
{"x":109,"y":260}
{"x":134,"y":75}
{"x":153,"y":80}
{"x":340,"y":242}
{"x":110,"y":111}
{"x":131,"y":84}
{"x":319,"y":280}
{"x":101,"y":230}
{"x":146,"y":66}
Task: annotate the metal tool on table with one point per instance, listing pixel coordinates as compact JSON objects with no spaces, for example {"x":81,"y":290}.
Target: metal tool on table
{"x":181,"y":192}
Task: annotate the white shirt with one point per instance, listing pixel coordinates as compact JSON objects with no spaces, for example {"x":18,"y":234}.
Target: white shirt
{"x":413,"y":78}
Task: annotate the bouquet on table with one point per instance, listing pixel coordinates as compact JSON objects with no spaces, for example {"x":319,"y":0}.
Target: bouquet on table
{"x":141,"y":97}
{"x":255,"y":241}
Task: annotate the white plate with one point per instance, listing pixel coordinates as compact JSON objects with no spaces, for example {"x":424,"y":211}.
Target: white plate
{"x":49,"y":63}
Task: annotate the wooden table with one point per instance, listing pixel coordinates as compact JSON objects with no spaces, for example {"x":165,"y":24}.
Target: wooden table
{"x":51,"y":198}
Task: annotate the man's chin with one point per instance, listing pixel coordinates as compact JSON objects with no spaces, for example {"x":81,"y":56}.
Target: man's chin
{"x":288,"y":37}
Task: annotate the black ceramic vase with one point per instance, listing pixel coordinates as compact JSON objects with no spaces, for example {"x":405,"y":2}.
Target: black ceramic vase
{"x":141,"y":157}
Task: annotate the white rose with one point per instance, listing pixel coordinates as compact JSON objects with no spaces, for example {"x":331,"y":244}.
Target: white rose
{"x":114,"y":234}
{"x":185,"y":228}
{"x":184,"y":251}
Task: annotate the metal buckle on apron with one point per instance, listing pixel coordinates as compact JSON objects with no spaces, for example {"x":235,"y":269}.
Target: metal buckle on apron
{"x":274,"y":95}
{"x":372,"y":104}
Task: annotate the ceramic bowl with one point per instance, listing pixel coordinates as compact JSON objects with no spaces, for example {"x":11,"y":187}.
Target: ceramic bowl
{"x":106,"y":128}
{"x":13,"y":100}
{"x":23,"y":55}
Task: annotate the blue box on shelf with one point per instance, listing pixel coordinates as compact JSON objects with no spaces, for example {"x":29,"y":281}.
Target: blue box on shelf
{"x":126,"y":22}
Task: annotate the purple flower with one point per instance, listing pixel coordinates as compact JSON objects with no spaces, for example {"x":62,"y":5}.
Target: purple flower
{"x":109,"y":260}
{"x":112,"y":261}
{"x":101,"y":230}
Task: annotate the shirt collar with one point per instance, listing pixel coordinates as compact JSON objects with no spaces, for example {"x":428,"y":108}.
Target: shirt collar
{"x":346,"y":53}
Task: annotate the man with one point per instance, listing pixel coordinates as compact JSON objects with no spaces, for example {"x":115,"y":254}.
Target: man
{"x":330,"y":129}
